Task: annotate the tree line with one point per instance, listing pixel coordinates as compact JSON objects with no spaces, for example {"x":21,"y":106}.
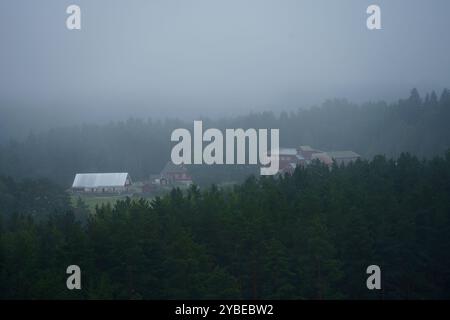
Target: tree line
{"x":306,"y":236}
{"x":418,"y":125}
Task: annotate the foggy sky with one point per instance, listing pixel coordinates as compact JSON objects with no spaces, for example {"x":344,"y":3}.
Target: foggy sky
{"x":216,"y":56}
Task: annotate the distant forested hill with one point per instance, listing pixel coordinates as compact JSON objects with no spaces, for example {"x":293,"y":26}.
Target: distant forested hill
{"x":306,"y":236}
{"x":419,"y":125}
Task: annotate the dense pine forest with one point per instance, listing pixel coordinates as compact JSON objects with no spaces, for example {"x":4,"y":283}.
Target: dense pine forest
{"x":306,"y":236}
{"x":418,"y":125}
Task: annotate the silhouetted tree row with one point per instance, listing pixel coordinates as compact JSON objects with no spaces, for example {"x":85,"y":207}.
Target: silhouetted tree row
{"x":306,"y":236}
{"x":415,"y":125}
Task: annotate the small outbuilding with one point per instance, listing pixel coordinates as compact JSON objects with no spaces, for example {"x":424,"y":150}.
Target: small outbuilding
{"x":344,"y":157}
{"x":175,"y":174}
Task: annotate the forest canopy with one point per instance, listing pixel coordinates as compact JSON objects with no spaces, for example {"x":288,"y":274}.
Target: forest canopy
{"x":306,"y":236}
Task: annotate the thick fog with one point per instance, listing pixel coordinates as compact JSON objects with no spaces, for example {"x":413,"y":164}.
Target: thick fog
{"x":214,"y":57}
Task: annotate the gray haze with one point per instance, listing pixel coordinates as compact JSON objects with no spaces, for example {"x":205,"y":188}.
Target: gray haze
{"x":216,"y":57}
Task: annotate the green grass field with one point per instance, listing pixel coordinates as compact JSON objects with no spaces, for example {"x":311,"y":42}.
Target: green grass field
{"x":92,"y":200}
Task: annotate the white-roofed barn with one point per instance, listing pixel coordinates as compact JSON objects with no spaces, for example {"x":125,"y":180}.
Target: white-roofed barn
{"x":101,"y":182}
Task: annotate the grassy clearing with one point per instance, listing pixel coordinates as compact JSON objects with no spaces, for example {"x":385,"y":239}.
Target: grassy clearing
{"x":92,"y":201}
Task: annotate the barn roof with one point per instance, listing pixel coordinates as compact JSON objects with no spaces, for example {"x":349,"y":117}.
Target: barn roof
{"x":307,"y":149}
{"x":343,"y":154}
{"x":96,"y":180}
{"x":286,"y":152}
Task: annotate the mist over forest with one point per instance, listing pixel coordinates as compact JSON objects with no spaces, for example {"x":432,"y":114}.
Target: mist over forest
{"x":416,"y":124}
{"x":90,"y":94}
